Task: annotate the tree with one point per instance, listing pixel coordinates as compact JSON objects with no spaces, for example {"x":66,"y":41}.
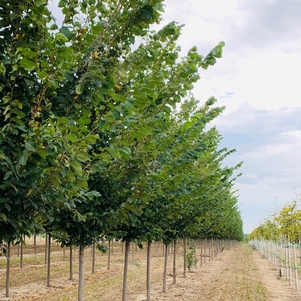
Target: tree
{"x":91,"y":139}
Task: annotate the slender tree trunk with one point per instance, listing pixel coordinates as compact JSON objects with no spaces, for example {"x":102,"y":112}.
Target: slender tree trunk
{"x":70,"y":264}
{"x":174,"y":268}
{"x":201,"y":256}
{"x":205,"y":249}
{"x":289,"y":265}
{"x":35,"y":243}
{"x":125,"y":271}
{"x":295,"y":267}
{"x":7,"y":270}
{"x":93,"y":258}
{"x":185,"y":255}
{"x":148,"y":267}
{"x":48,"y":238}
{"x":21,"y":253}
{"x":209,"y":245}
{"x":45,"y":248}
{"x":165,"y":268}
{"x":133,"y":247}
{"x":81,"y":273}
{"x":109,"y":254}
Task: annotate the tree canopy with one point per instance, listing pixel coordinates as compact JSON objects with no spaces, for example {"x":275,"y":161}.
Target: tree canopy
{"x":99,"y":131}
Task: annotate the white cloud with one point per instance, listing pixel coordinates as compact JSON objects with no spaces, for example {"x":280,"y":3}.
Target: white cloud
{"x":292,"y":135}
{"x":267,"y":151}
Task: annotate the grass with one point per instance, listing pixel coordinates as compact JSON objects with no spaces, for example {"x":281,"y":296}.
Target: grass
{"x":253,"y":286}
{"x":261,"y":294}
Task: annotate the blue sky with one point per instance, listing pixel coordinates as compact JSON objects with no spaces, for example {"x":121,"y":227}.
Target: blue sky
{"x":258,"y":80}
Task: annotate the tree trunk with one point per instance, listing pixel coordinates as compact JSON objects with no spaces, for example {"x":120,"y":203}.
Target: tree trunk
{"x":81,"y":274}
{"x":109,"y":254}
{"x":174,"y":268}
{"x":48,"y":238}
{"x":185,"y":255}
{"x":21,"y":253}
{"x":133,"y":247}
{"x":289,"y":265}
{"x":125,"y":271}
{"x":205,"y":249}
{"x":45,"y":248}
{"x":93,"y":258}
{"x":148,"y":267}
{"x":295,"y":267}
{"x":165,"y":268}
{"x":7,"y":270}
{"x":70,"y":264}
{"x":35,"y":243}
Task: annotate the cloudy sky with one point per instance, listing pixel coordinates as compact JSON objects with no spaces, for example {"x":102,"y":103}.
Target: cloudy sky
{"x":259,"y":81}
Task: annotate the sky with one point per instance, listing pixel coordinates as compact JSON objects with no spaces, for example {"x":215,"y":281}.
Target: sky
{"x":258,"y":80}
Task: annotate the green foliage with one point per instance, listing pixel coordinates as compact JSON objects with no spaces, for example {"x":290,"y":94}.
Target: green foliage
{"x":282,"y":225}
{"x":101,"y":138}
{"x":191,"y":260}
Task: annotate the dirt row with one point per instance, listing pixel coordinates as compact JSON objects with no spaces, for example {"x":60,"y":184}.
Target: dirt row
{"x":240,"y":273}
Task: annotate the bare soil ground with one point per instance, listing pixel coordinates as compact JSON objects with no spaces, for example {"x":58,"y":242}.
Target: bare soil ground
{"x":238,"y":274}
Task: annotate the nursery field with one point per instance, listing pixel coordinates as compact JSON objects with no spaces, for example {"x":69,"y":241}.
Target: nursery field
{"x":237,"y":273}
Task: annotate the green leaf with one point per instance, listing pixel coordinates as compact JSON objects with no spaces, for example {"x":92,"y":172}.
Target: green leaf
{"x":3,"y":217}
{"x":188,"y":86}
{"x":82,"y":156}
{"x":7,"y":175}
{"x":66,"y":32}
{"x":146,"y":130}
{"x":76,"y":166}
{"x":70,"y":176}
{"x":2,"y":69}
{"x":7,"y":206}
{"x":23,"y":158}
{"x":140,"y":96}
{"x":79,"y":89}
{"x":27,"y":64}
{"x":28,"y":52}
{"x":42,"y":152}
{"x":55,"y":179}
{"x":29,"y":147}
{"x":82,"y":184}
{"x":92,"y":138}
{"x":63,"y":120}
{"x":40,"y":2}
{"x":118,"y":98}
{"x":125,"y":152}
{"x":72,"y":137}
